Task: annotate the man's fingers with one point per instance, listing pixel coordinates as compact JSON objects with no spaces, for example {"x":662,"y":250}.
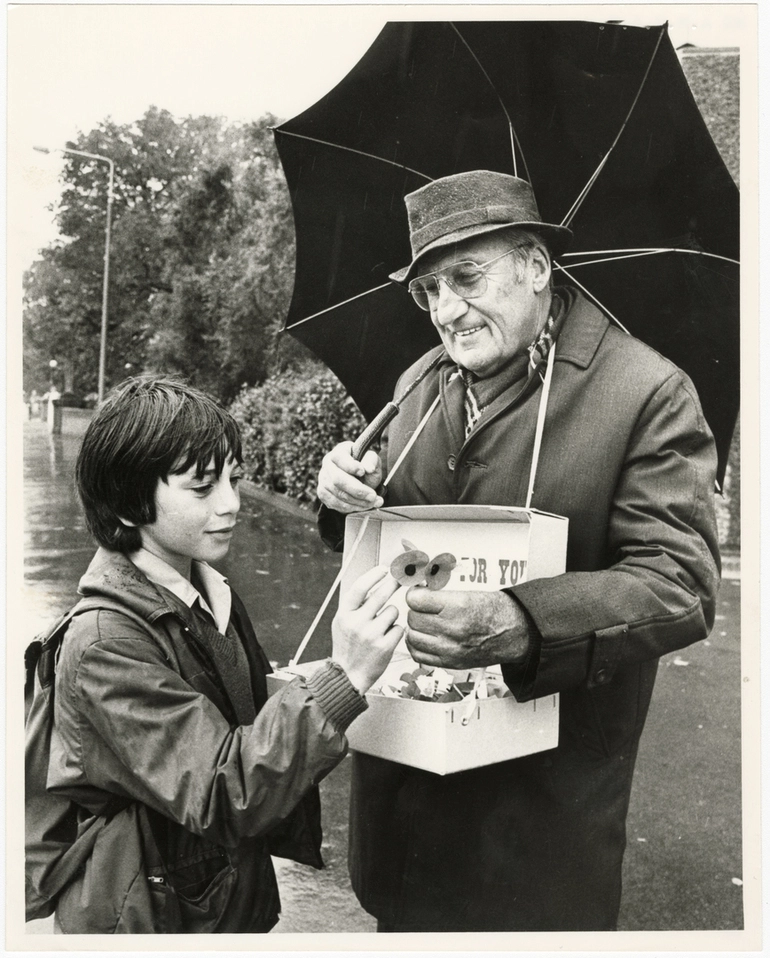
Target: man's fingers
{"x":426,"y":649}
{"x":368,"y":469}
{"x":332,"y":502}
{"x":370,"y":462}
{"x":344,"y":502}
{"x":341,"y":457}
{"x":346,"y":487}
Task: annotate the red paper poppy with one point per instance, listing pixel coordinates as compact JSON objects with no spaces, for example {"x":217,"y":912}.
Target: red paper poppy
{"x":439,"y":571}
{"x":409,"y":568}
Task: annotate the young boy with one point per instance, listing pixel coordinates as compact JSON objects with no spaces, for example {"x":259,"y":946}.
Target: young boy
{"x":161,"y":703}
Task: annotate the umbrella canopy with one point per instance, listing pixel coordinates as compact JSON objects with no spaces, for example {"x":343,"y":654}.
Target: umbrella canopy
{"x":600,"y":120}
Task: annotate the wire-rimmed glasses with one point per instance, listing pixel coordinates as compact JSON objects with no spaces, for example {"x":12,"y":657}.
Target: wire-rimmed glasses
{"x":466,"y":279}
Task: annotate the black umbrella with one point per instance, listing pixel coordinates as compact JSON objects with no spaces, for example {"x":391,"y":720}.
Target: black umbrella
{"x":601,"y":121}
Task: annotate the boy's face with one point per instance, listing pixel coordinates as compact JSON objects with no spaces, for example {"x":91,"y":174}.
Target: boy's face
{"x":195,"y":516}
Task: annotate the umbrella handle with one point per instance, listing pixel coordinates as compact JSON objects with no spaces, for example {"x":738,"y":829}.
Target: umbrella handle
{"x":373,"y":431}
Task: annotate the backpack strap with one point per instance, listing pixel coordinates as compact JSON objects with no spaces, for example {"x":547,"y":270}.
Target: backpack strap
{"x":41,"y":654}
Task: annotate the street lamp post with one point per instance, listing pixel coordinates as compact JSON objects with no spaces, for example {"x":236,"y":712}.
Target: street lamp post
{"x":105,"y":286}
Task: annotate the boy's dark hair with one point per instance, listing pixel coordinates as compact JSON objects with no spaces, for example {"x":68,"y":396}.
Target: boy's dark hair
{"x":148,"y":428}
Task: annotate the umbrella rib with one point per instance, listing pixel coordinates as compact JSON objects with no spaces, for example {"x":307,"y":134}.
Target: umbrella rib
{"x":612,"y":259}
{"x":587,"y":188}
{"x":344,"y":302}
{"x":644,"y":251}
{"x":591,"y":296}
{"x":514,"y":139}
{"x":350,"y":149}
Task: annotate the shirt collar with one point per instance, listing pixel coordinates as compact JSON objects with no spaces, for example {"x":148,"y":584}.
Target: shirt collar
{"x":218,"y":598}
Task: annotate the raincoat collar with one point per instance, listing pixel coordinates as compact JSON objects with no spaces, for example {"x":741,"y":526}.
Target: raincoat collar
{"x":113,"y":575}
{"x":215,"y":599}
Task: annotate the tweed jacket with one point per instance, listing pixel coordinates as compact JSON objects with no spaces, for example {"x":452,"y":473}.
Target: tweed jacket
{"x":627,"y":457}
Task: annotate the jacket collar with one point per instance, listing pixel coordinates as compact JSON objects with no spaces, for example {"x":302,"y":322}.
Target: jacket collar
{"x":212,"y":593}
{"x":112,"y":575}
{"x":582,"y":333}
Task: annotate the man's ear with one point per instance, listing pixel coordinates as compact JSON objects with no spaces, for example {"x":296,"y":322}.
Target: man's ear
{"x":541,"y":269}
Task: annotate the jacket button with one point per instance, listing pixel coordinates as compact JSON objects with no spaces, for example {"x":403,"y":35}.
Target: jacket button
{"x":601,"y":676}
{"x":451,"y":463}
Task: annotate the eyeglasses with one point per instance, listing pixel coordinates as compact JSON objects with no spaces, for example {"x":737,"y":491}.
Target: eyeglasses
{"x":466,"y":279}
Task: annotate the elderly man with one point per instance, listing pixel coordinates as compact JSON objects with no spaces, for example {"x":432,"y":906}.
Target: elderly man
{"x":533,"y":844}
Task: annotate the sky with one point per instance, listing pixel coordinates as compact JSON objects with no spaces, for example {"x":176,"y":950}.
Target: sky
{"x":70,"y":66}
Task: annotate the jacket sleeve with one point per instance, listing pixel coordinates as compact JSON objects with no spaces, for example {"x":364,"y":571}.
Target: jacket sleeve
{"x":146,"y":733}
{"x":658,"y":594}
{"x":331,"y":528}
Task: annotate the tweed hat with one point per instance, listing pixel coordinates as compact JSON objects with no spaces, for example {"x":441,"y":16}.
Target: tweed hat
{"x":454,"y":208}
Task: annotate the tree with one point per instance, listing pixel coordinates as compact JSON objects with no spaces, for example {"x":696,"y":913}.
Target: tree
{"x":201,"y":258}
{"x":231,"y":238}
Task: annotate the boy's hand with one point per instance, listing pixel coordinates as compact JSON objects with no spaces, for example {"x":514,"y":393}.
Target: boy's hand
{"x":363,"y":631}
{"x":347,"y":485}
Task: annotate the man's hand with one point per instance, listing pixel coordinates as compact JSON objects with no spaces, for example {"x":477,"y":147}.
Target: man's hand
{"x":465,"y":630}
{"x":347,"y":485}
{"x":364,"y":633}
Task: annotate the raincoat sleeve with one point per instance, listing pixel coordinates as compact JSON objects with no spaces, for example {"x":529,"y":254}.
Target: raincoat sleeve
{"x":659,"y":593}
{"x":145,"y":732}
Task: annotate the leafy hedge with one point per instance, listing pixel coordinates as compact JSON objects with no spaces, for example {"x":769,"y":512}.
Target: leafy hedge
{"x":289,"y":423}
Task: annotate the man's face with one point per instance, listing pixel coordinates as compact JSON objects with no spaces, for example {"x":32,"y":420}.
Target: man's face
{"x":484,"y":333}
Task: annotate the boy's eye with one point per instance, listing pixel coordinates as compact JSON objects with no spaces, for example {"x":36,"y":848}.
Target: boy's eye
{"x":234,"y":480}
{"x":203,"y":488}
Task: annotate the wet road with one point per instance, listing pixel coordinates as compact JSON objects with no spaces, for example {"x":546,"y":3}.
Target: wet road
{"x":683,"y":863}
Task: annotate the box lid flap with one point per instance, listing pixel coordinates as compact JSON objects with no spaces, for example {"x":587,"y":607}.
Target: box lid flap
{"x":455,"y":513}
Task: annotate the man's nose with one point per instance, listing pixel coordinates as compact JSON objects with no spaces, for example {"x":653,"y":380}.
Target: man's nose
{"x":449,"y":306}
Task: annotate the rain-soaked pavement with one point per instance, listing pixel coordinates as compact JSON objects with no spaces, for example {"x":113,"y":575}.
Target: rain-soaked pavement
{"x":683,"y":863}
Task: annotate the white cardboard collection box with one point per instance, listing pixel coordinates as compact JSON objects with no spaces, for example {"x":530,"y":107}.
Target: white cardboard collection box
{"x":495,"y":547}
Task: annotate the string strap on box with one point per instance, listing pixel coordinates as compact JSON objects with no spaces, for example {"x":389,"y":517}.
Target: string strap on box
{"x":330,"y":593}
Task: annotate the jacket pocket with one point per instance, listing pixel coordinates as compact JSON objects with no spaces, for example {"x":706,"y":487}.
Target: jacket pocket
{"x":607,"y":718}
{"x":193,"y":897}
{"x":192,"y":879}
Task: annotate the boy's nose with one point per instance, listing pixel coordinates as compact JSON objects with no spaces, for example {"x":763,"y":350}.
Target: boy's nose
{"x":229,"y":499}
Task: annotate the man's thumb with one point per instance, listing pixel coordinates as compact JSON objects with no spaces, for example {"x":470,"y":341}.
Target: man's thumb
{"x":419,"y":598}
{"x":371,"y":462}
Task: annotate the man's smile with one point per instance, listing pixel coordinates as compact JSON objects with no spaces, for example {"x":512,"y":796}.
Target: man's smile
{"x":467,"y":332}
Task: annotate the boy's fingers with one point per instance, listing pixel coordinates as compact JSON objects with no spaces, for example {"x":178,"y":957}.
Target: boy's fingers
{"x":380,"y":595}
{"x":394,"y":634}
{"x":388,"y":616}
{"x":356,"y":595}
